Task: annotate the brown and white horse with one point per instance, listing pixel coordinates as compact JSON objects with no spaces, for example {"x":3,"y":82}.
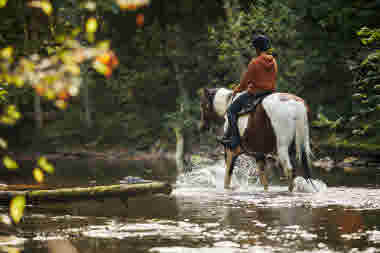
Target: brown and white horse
{"x":279,"y":122}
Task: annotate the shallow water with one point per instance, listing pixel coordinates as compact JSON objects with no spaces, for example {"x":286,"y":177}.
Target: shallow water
{"x":200,"y":216}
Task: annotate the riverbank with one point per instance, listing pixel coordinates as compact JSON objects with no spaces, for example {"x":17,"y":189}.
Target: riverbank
{"x":329,"y":142}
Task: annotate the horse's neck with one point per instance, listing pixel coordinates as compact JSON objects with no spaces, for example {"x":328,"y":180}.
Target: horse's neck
{"x":221,"y":101}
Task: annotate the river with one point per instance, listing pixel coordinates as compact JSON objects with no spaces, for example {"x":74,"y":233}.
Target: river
{"x":200,"y":216}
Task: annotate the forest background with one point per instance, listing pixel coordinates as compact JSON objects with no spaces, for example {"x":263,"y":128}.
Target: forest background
{"x":327,"y":52}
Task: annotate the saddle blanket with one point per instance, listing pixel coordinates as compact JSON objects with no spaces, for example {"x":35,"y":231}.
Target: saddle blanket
{"x":255,"y":101}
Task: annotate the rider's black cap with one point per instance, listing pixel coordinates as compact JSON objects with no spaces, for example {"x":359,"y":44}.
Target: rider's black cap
{"x":261,"y":42}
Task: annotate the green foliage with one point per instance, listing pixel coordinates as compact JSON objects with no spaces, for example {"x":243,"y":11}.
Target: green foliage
{"x":326,"y":37}
{"x":158,"y":82}
{"x":185,"y":116}
{"x":323,"y":121}
{"x":367,"y":79}
{"x":273,"y":18}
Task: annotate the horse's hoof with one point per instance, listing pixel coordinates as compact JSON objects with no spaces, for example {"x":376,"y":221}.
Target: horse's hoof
{"x":230,"y":188}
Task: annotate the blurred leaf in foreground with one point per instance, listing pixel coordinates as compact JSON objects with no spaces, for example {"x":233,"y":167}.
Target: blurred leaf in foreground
{"x":16,"y":209}
{"x":3,"y":143}
{"x":3,"y":3}
{"x":9,"y":163}
{"x":45,"y":165}
{"x":45,"y":6}
{"x":38,"y":175}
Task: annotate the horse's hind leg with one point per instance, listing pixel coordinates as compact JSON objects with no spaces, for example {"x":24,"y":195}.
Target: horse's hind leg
{"x":283,"y":156}
{"x":262,"y":174}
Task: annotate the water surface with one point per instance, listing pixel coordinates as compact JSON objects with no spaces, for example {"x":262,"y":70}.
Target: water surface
{"x":200,"y":216}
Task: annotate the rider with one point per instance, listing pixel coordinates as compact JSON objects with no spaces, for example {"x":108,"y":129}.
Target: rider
{"x":258,"y":80}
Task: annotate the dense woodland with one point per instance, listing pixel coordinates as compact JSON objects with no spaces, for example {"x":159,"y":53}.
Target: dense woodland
{"x":327,"y":51}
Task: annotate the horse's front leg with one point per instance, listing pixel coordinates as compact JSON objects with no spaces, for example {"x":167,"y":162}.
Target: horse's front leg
{"x":262,"y":175}
{"x":230,"y":159}
{"x":291,"y":179}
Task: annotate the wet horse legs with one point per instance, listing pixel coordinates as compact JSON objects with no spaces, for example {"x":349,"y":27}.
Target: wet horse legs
{"x":230,"y":159}
{"x":262,"y":174}
{"x":284,"y":158}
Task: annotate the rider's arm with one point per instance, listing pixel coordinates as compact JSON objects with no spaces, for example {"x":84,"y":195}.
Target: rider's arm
{"x":247,"y":78}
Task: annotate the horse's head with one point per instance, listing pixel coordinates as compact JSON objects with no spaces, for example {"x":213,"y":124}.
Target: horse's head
{"x":208,"y":113}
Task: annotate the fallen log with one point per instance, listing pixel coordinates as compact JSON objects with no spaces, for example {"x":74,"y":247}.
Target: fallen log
{"x":122,"y":191}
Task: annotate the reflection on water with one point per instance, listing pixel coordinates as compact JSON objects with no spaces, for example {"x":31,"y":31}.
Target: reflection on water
{"x":200,"y":216}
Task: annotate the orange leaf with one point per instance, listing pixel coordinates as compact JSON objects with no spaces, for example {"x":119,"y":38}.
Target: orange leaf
{"x":63,"y":94}
{"x":140,"y":20}
{"x":40,"y":89}
{"x":104,"y":58}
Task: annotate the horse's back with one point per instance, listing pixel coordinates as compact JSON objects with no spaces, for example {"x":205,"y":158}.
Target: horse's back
{"x":287,"y":113}
{"x":287,"y":100}
{"x":273,"y":118}
{"x":284,"y":107}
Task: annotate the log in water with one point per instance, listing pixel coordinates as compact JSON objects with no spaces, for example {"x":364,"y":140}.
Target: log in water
{"x":122,"y":191}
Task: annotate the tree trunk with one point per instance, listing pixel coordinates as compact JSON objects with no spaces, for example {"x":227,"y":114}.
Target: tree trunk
{"x":87,"y":107}
{"x":86,"y":104}
{"x":179,"y":126}
{"x":122,"y":191}
{"x":180,"y":149}
{"x":38,"y":117}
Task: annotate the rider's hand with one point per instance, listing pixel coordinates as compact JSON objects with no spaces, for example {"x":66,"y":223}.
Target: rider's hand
{"x":235,"y":90}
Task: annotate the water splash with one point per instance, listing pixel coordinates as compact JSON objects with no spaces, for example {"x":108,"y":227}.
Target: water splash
{"x":212,"y":175}
{"x":309,"y":186}
{"x":245,"y":176}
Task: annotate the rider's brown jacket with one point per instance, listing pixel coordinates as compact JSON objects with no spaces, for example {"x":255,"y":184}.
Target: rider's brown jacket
{"x":262,"y":73}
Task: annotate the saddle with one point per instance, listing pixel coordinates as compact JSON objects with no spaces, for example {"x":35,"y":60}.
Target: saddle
{"x":250,"y":107}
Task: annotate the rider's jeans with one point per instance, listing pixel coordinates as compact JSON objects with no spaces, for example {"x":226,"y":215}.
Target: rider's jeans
{"x":232,"y":111}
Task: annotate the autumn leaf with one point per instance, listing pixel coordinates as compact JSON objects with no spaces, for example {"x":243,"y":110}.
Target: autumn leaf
{"x":91,"y":25}
{"x":45,"y":6}
{"x":38,"y":175}
{"x":6,"y":53}
{"x":3,"y":3}
{"x":9,"y":163}
{"x":61,"y":104}
{"x":45,"y":165}
{"x":16,"y":209}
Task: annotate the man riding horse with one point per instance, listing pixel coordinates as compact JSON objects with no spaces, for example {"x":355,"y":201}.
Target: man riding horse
{"x":258,"y":81}
{"x":279,"y":123}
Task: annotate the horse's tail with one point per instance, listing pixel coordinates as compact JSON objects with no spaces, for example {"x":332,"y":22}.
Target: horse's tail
{"x":302,"y":142}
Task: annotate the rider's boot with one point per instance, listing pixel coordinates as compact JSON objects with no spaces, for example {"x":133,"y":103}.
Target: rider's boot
{"x":231,"y":138}
{"x":226,"y":139}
